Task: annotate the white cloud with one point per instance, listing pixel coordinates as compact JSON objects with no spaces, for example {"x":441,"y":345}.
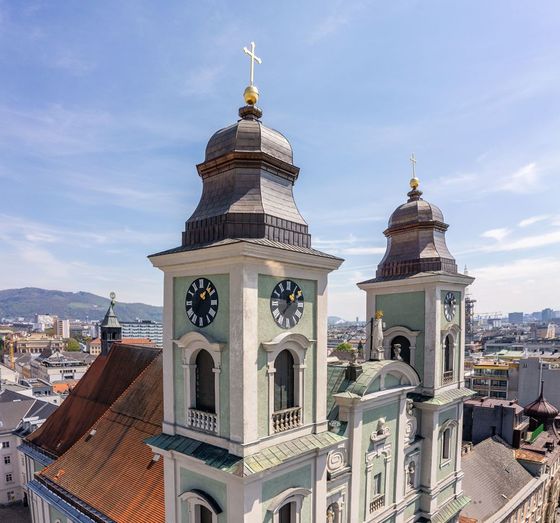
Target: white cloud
{"x":527,"y":284}
{"x":357,"y":251}
{"x":521,"y":181}
{"x":496,"y":234}
{"x":532,"y":242}
{"x":533,"y":219}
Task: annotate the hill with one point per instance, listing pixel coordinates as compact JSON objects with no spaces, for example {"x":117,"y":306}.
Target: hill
{"x":27,"y":302}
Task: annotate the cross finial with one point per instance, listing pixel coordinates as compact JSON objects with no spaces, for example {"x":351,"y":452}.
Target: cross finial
{"x":251,"y":93}
{"x":254,"y":58}
{"x":414,"y":181}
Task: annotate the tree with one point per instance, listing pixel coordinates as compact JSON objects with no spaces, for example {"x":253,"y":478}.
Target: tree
{"x":344,"y":346}
{"x":72,"y":345}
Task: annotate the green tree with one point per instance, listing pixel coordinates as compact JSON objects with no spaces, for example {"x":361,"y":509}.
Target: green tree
{"x":344,"y":346}
{"x":72,"y":345}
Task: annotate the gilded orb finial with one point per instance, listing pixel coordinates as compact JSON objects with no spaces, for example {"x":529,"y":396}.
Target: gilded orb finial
{"x":251,"y":93}
{"x":414,"y":181}
{"x":112,"y":295}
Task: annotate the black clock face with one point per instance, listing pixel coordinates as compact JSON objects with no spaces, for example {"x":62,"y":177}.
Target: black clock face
{"x":286,"y":304}
{"x":449,"y":306}
{"x":201,"y":302}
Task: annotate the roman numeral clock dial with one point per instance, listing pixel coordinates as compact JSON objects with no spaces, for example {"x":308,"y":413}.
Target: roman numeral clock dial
{"x":201,"y":302}
{"x":286,"y":304}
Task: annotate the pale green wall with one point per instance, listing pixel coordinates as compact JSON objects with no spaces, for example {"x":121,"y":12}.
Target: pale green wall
{"x":411,"y":509}
{"x":448,"y":469}
{"x":369,"y":425}
{"x":294,"y":479}
{"x":218,"y":330}
{"x":268,"y":330}
{"x":445,"y":494}
{"x":191,"y":480}
{"x":406,"y":309}
{"x":55,"y":514}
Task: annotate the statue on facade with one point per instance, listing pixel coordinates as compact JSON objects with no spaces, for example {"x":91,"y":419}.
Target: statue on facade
{"x":397,"y":351}
{"x":411,"y":473}
{"x":377,"y":337}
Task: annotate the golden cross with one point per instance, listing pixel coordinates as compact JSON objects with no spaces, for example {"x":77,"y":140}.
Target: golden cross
{"x":413,"y":162}
{"x":254,"y":58}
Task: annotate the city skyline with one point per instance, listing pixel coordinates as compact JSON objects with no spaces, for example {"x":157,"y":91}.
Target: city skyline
{"x":102,"y":133}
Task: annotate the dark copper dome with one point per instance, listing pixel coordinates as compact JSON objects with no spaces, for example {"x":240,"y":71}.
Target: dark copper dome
{"x":248,"y":135}
{"x":415,"y":241}
{"x":541,"y":410}
{"x":247,"y":187}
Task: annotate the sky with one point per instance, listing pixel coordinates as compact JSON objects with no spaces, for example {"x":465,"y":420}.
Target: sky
{"x":106,"y":108}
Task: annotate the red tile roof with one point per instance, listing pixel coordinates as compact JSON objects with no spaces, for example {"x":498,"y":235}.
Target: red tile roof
{"x":105,"y":380}
{"x":112,"y":471}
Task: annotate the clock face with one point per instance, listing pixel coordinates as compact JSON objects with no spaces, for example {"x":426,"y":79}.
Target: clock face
{"x":286,"y":304}
{"x":201,"y":302}
{"x":449,"y":306}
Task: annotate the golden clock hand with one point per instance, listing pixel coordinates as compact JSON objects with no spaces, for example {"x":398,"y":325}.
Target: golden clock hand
{"x":292,"y":297}
{"x":203,"y":295}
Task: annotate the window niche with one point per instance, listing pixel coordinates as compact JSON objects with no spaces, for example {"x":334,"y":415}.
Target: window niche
{"x":201,"y":361}
{"x":449,"y":352}
{"x":286,"y":507}
{"x":285,"y":371}
{"x":200,"y":507}
{"x":405,"y":339}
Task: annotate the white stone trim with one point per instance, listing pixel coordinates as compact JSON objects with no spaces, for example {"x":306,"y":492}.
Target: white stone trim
{"x":400,"y":330}
{"x":191,"y":344}
{"x":193,"y":499}
{"x":297,"y":344}
{"x":294,"y":495}
{"x":379,"y":450}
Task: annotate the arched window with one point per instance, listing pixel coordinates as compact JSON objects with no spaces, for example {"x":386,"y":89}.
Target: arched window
{"x":448,"y":354}
{"x":202,"y":514}
{"x":404,"y":352}
{"x":284,"y":381}
{"x":205,"y":391}
{"x":446,"y":444}
{"x":285,"y":514}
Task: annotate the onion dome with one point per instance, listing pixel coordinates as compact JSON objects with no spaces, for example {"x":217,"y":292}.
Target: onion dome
{"x":541,"y":410}
{"x":248,"y":176}
{"x":249,"y":135}
{"x":415,"y":240}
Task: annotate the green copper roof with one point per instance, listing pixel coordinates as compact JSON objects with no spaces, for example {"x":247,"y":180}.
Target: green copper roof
{"x":443,"y":398}
{"x":450,"y":509}
{"x":370,"y":370}
{"x":336,"y":382}
{"x":110,"y":319}
{"x":221,"y":459}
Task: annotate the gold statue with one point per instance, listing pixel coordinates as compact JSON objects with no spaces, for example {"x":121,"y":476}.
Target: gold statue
{"x":251,"y":93}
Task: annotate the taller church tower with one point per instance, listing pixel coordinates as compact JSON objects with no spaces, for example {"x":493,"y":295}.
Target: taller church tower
{"x":245,"y":303}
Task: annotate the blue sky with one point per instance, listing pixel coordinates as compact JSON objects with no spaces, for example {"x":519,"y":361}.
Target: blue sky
{"x":106,"y":107}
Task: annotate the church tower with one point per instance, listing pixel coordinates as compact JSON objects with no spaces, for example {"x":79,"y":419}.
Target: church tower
{"x":110,"y":328}
{"x":421,"y":297}
{"x":245,"y":303}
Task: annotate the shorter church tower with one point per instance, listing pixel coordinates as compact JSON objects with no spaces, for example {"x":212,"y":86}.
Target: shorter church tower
{"x":111,"y":330}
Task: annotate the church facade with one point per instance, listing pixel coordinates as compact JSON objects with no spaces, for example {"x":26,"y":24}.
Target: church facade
{"x":258,"y":425}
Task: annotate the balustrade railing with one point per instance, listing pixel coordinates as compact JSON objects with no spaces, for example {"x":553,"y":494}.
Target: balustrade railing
{"x":286,"y":419}
{"x":201,"y":420}
{"x":447,"y":377}
{"x":376,"y":503}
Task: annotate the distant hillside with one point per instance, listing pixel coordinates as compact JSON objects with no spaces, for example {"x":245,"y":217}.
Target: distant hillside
{"x":27,"y":302}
